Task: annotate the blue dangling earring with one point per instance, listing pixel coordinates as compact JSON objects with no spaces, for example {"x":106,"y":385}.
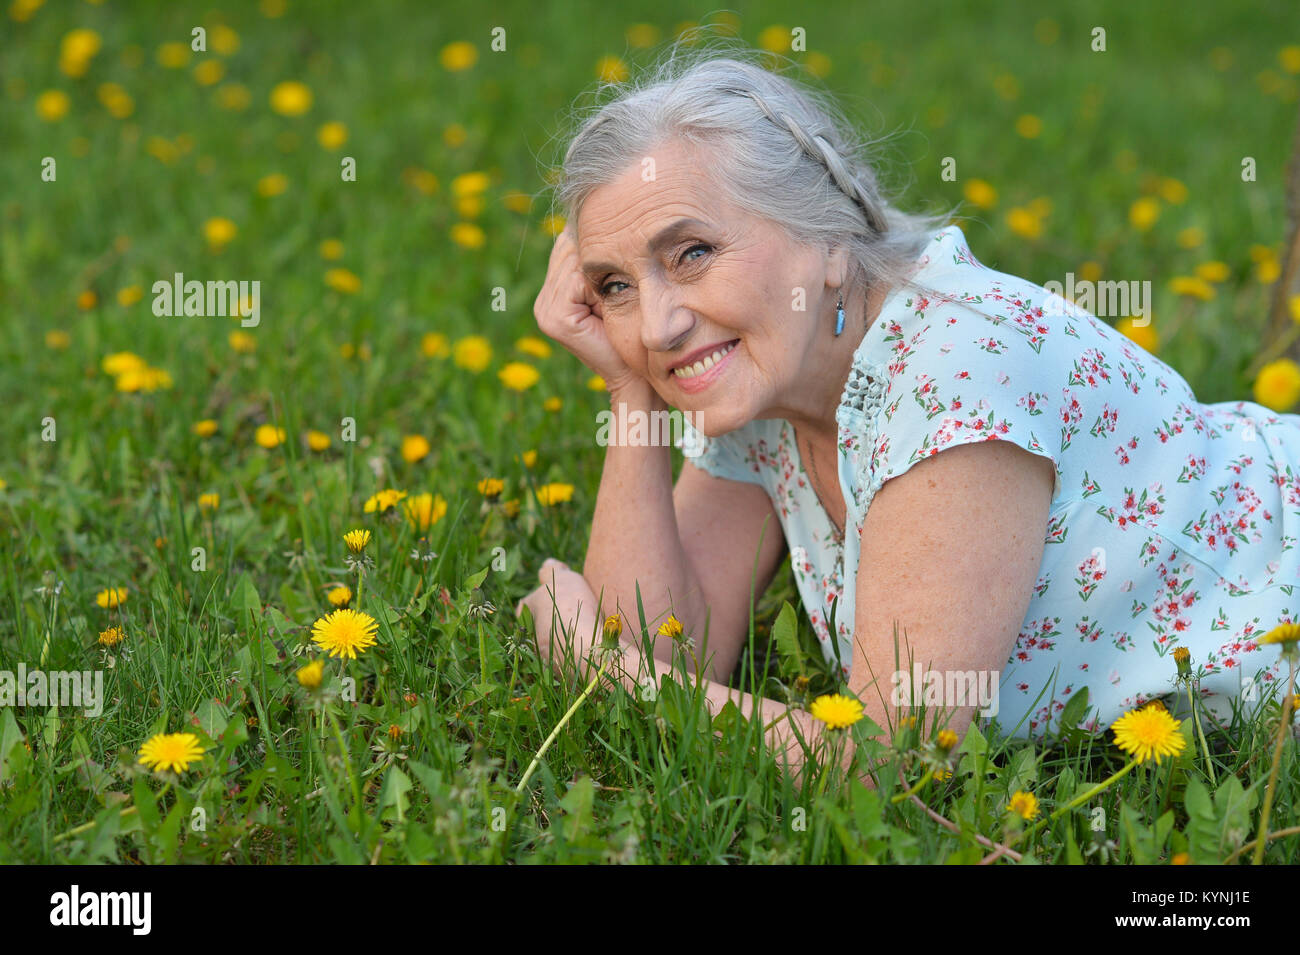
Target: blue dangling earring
{"x":839,"y":315}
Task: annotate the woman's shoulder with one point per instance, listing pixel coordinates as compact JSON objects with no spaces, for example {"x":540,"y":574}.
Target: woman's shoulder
{"x":966,"y":353}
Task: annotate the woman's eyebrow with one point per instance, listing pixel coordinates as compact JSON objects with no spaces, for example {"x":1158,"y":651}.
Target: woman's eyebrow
{"x":665,"y":236}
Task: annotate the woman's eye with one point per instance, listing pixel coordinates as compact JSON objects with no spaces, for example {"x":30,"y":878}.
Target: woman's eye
{"x":697,"y":245}
{"x":604,"y":289}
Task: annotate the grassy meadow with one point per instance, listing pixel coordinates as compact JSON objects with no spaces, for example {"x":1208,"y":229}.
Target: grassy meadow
{"x":175,"y":489}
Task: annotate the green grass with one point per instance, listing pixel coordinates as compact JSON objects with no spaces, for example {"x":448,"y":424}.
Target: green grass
{"x":113,"y":500}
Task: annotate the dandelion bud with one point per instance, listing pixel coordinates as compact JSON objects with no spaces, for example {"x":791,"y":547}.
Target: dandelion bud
{"x":613,"y":629}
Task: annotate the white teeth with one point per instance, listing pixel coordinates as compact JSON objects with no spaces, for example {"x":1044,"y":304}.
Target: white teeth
{"x":704,"y":364}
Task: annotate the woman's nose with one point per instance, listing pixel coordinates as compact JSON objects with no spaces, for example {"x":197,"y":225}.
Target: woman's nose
{"x":665,"y":323}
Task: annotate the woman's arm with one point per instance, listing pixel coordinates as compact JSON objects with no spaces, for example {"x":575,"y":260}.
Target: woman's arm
{"x":691,"y":549}
{"x":950,"y":552}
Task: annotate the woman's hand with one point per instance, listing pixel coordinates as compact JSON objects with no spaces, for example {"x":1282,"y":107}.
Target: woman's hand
{"x":568,"y":311}
{"x":563,"y":603}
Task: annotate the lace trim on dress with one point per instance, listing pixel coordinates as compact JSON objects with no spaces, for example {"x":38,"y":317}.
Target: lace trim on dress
{"x":860,"y":407}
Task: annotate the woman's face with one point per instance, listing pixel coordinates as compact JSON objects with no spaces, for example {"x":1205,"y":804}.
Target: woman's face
{"x":720,"y":312}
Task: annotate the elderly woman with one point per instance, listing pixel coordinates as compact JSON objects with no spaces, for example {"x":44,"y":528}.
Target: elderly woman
{"x":971,"y":475}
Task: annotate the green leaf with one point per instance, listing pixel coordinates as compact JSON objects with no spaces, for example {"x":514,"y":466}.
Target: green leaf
{"x":476,"y":580}
{"x":785,"y":632}
{"x":245,"y":596}
{"x":1075,"y":710}
{"x":577,"y":803}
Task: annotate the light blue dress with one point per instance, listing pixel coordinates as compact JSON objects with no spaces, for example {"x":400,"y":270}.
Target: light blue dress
{"x":1172,"y":523}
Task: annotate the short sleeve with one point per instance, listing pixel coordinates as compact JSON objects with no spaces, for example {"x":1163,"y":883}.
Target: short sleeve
{"x":961,"y":377}
{"x":724,"y":456}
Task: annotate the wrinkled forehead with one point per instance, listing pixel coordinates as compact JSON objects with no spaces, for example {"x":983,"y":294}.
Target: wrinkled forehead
{"x":668,"y":182}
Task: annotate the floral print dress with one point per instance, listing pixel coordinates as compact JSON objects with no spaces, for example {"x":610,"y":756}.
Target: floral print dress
{"x":1172,"y":523}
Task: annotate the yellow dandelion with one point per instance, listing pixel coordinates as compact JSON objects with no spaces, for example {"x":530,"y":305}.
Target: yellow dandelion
{"x":340,"y":596}
{"x":128,"y":296}
{"x":384,"y":501}
{"x":332,"y":135}
{"x":612,"y":628}
{"x":554,"y":493}
{"x":174,"y":751}
{"x":343,"y":280}
{"x":87,"y":300}
{"x":52,"y":105}
{"x":415,"y":447}
{"x":209,"y":502}
{"x":1143,"y":213}
{"x":529,"y":458}
{"x":532,"y":345}
{"x":331,"y":249}
{"x":272,"y":185}
{"x":111,"y":637}
{"x":595,"y":383}
{"x":1172,"y":191}
{"x":205,"y":428}
{"x":356,"y":540}
{"x":642,"y":35}
{"x":511,"y":508}
{"x":458,"y":56}
{"x":553,"y":403}
{"x":1029,"y":126}
{"x":425,"y":510}
{"x":1192,"y":285}
{"x":311,"y":675}
{"x":233,"y":97}
{"x":946,"y":739}
{"x":1213,"y":271}
{"x":454,"y":135}
{"x":1278,"y":385}
{"x":980,"y":194}
{"x":1190,"y":238}
{"x":57,"y":338}
{"x":518,"y":376}
{"x":470,"y":184}
{"x":1148,"y":733}
{"x":1023,"y":804}
{"x":468,"y":235}
{"x":219,"y":230}
{"x":491,"y":487}
{"x":209,"y":72}
{"x":242,"y":342}
{"x":610,"y":69}
{"x":345,"y":633}
{"x":113,"y":597}
{"x":472,"y":353}
{"x":1144,"y":336}
{"x":291,"y":98}
{"x":836,"y":711}
{"x":1267,"y":271}
{"x":269,"y":436}
{"x":1283,"y":633}
{"x":670,"y":628}
{"x":173,"y":55}
{"x":434,"y":345}
{"x":223,"y":40}
{"x":519,"y":202}
{"x":1024,"y":223}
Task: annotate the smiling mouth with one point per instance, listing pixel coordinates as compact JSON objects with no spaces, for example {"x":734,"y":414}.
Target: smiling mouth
{"x":705,"y":363}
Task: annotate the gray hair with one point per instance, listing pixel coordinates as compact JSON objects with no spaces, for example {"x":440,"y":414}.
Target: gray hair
{"x":784,"y":153}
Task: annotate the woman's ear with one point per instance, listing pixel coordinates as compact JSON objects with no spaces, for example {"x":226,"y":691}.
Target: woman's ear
{"x":837,"y":266}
